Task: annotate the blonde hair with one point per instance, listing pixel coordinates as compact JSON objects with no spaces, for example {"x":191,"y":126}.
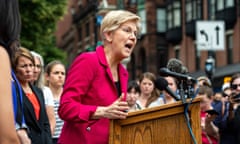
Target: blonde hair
{"x":115,"y":18}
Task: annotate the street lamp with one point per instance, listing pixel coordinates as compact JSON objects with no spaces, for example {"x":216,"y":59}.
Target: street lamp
{"x":210,"y":67}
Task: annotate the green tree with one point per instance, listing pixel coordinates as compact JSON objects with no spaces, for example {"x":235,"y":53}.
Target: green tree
{"x":39,"y":19}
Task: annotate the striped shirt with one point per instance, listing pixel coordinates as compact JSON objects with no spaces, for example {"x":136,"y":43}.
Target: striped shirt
{"x":59,"y":122}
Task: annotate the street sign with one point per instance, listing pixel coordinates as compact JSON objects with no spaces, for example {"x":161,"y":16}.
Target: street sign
{"x":210,"y":35}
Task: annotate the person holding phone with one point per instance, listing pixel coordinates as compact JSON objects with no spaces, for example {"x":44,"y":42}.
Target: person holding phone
{"x":96,"y":84}
{"x":210,"y":134}
{"x":233,"y":119}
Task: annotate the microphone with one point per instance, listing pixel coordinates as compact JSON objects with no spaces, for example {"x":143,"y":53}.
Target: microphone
{"x":175,"y":65}
{"x":162,"y":84}
{"x":179,"y":76}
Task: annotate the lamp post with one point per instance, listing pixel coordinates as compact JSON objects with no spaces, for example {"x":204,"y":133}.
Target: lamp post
{"x":210,"y":67}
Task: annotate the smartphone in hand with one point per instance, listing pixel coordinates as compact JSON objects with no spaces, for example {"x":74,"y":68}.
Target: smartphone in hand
{"x":212,"y":112}
{"x":235,"y":98}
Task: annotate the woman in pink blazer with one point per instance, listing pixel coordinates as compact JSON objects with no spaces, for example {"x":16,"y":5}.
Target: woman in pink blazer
{"x":96,"y":83}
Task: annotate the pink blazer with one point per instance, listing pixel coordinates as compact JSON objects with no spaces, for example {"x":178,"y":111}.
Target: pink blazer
{"x":89,"y":84}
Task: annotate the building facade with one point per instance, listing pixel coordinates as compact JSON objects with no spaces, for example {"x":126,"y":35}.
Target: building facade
{"x":168,"y":30}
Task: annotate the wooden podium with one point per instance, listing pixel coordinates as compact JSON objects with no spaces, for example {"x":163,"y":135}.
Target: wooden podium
{"x":165,"y":124}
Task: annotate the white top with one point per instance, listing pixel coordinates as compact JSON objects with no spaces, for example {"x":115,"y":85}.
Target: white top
{"x":48,"y":96}
{"x":155,"y":103}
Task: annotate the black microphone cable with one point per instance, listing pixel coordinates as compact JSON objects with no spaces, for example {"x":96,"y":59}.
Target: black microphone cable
{"x":186,"y":115}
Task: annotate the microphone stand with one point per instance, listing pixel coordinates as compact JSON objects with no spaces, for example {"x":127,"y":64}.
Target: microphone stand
{"x":187,"y":104}
{"x":182,"y":92}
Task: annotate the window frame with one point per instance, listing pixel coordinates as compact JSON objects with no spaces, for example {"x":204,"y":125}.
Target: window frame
{"x":174,"y":14}
{"x":161,"y":21}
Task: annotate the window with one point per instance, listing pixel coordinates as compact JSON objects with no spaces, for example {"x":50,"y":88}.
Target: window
{"x":169,"y":17}
{"x":162,"y":52}
{"x":87,"y":30}
{"x":132,"y":2}
{"x":188,"y":11}
{"x":141,"y":2}
{"x":220,"y":5}
{"x":223,"y":4}
{"x":198,"y":11}
{"x":193,"y":10}
{"x":79,"y":33}
{"x":143,"y":62}
{"x":229,"y":3}
{"x":142,"y":14}
{"x":211,"y":9}
{"x":161,"y":20}
{"x":120,"y":4}
{"x":174,"y":14}
{"x":229,"y":41}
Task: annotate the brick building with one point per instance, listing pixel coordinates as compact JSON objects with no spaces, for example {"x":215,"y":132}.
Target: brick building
{"x":169,"y":30}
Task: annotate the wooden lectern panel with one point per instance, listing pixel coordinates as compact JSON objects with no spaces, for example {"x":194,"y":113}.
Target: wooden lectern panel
{"x":165,"y":124}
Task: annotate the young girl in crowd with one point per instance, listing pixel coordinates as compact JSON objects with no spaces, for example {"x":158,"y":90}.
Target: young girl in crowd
{"x":133,"y":93}
{"x":55,"y":78}
{"x":150,"y":95}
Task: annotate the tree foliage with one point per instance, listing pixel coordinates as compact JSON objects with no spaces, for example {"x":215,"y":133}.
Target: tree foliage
{"x":39,"y":19}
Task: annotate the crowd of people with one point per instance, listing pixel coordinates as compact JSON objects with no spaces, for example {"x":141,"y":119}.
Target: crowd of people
{"x":219,"y":111}
{"x":49,"y":105}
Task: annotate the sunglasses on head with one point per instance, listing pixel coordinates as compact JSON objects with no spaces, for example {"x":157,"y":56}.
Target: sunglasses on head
{"x":235,"y":86}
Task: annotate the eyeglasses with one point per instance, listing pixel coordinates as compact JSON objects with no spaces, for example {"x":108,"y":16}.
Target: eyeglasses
{"x":130,"y":32}
{"x":235,"y":86}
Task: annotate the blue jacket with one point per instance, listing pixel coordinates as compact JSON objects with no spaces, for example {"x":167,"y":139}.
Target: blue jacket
{"x":17,"y":103}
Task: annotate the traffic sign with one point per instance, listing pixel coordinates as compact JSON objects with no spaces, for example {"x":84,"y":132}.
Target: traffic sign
{"x":210,"y":35}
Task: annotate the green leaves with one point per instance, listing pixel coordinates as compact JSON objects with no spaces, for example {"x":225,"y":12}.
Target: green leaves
{"x":39,"y":19}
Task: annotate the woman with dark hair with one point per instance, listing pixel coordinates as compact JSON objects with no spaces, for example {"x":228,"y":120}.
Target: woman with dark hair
{"x":10,"y":26}
{"x":133,"y":92}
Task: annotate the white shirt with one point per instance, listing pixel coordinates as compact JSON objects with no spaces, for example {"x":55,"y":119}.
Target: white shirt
{"x":48,"y":96}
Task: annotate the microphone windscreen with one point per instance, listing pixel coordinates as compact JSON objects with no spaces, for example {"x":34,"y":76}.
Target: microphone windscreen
{"x":161,"y":83}
{"x":175,"y":65}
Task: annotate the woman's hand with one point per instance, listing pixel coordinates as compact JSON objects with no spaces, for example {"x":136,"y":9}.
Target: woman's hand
{"x":117,"y":110}
{"x":23,"y":137}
